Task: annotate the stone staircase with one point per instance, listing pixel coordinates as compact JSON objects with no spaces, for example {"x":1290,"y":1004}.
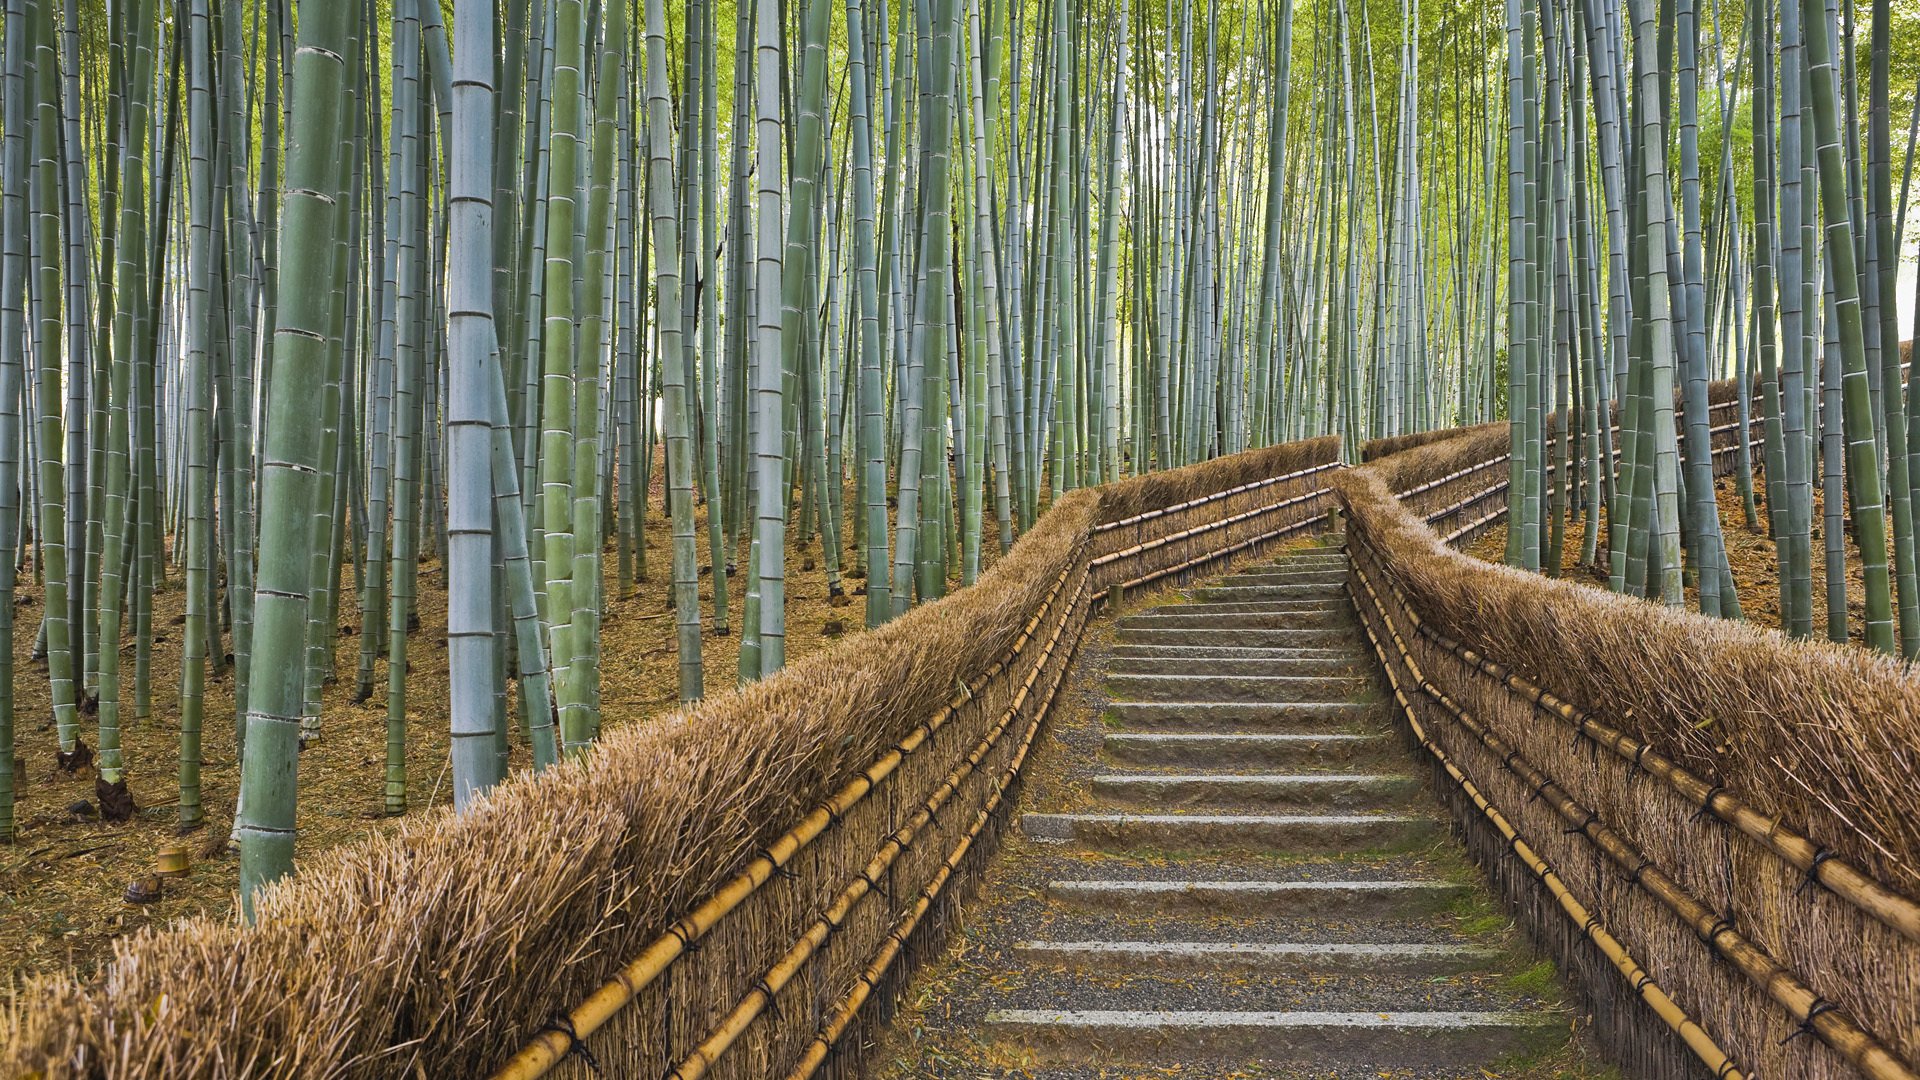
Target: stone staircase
{"x":1236,"y":873}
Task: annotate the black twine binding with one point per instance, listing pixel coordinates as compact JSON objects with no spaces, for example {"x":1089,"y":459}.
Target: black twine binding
{"x":1726,"y":1069}
{"x":1820,"y":1005}
{"x":1813,"y":869}
{"x":1634,"y":764}
{"x":1592,"y":816}
{"x":576,"y":1045}
{"x":773,"y":1003}
{"x":1706,"y":804}
{"x":1710,"y":937}
{"x":689,"y":942}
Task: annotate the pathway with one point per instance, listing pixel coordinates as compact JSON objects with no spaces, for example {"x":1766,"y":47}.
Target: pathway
{"x":1232,"y":871}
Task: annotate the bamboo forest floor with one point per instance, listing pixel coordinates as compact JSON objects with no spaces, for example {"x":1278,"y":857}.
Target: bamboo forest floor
{"x":63,"y":882}
{"x":1750,"y":552}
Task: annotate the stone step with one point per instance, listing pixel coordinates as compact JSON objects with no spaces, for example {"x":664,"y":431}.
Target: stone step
{"x":1289,"y":575}
{"x":1290,"y":665}
{"x":1216,"y":719}
{"x":1307,"y":608}
{"x":1270,"y":591}
{"x":1338,"y":791}
{"x":1237,"y":687}
{"x":1289,"y":833}
{"x":1176,"y":618}
{"x":1265,"y":639}
{"x":1306,"y":560}
{"x":1287,"y":959}
{"x":1318,"y":750}
{"x":1410,"y":899}
{"x":1236,"y":652}
{"x":1423,"y":1040}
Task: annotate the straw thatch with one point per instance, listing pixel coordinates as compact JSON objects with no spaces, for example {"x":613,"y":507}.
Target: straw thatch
{"x":1821,"y":734}
{"x":1818,"y":738}
{"x":442,"y":948}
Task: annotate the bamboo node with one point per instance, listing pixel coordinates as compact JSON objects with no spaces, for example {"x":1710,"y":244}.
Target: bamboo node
{"x":562,"y":1024}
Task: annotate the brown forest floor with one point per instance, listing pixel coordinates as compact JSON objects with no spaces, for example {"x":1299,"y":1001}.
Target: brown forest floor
{"x":1749,"y":551}
{"x":62,"y":883}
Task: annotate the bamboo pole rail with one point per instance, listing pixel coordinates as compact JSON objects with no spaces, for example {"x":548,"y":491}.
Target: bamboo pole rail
{"x":777,"y":977}
{"x":547,"y":1048}
{"x":1785,"y":988}
{"x":1192,"y":504}
{"x":1836,"y":875}
{"x":849,"y":1004}
{"x":1637,"y":977}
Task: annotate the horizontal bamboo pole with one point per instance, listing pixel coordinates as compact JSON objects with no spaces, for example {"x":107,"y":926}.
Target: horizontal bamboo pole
{"x":1207,"y":527}
{"x":1501,"y":485}
{"x":849,"y":1005}
{"x":1637,"y":977}
{"x":1783,"y":986}
{"x":808,"y":944}
{"x":1255,"y":485}
{"x":1214,"y":555}
{"x":546,"y":1049}
{"x":1836,"y":875}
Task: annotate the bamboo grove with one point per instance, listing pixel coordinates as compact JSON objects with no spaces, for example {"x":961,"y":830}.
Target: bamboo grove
{"x":300,"y":300}
{"x":1699,"y":191}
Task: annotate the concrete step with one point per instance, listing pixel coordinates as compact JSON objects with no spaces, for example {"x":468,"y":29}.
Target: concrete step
{"x":1218,"y":718}
{"x":1175,"y":618}
{"x":1411,"y":899}
{"x":1184,"y":751}
{"x":1270,"y":591}
{"x":1237,"y":652}
{"x":1285,"y":959}
{"x":1258,"y":832}
{"x":1290,"y":575}
{"x":1331,"y":606}
{"x":1316,"y":560}
{"x":1424,"y":1040}
{"x":1264,"y":639}
{"x":1280,"y":663}
{"x":1287,"y":688}
{"x":1312,"y":791}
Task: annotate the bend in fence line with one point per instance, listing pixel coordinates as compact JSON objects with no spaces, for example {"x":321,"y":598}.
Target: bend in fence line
{"x":1086,"y":577}
{"x":1191,"y":504}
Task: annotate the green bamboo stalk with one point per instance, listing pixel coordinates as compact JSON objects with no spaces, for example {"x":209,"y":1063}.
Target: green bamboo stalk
{"x":291,"y":462}
{"x":472,"y":668}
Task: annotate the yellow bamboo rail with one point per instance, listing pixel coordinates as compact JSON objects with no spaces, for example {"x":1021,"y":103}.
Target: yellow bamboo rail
{"x":1149,"y":515}
{"x":546,"y":1049}
{"x":1637,"y":977}
{"x":1839,"y":877}
{"x":849,"y":1004}
{"x":1831,"y":1024}
{"x":777,"y":977}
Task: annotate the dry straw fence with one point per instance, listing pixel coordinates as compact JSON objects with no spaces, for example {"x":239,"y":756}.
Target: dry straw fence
{"x":1456,"y":479}
{"x":735,"y":891}
{"x":1714,"y":830}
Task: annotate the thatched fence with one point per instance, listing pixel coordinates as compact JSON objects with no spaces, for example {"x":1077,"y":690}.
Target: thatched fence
{"x":735,"y":891}
{"x":1456,"y":480}
{"x":1713,"y":829}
